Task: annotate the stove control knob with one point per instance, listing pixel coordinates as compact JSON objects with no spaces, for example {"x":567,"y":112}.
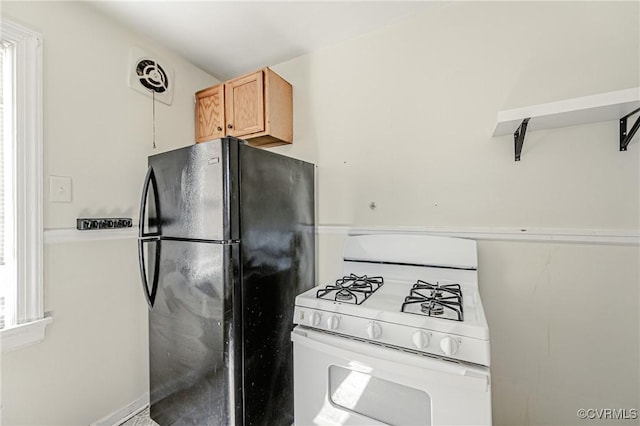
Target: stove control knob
{"x":449,"y":345}
{"x":420,"y":339}
{"x":373,"y":330}
{"x":314,"y":319}
{"x":333,"y":322}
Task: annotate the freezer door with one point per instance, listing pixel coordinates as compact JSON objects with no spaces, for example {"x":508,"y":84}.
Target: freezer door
{"x":193,"y":369}
{"x":196,"y":191}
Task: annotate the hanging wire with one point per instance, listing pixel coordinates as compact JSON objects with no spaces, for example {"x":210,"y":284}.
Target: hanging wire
{"x":153,"y":116}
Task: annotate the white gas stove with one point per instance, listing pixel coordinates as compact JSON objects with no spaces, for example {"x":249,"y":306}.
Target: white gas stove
{"x":404,"y":299}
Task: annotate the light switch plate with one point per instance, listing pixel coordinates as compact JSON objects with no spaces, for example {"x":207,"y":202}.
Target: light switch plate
{"x":60,"y":189}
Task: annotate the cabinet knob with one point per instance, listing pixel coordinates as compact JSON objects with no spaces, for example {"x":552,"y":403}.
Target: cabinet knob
{"x":219,"y":128}
{"x":229,"y":126}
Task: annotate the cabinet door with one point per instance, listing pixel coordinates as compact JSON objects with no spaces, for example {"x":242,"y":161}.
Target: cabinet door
{"x":210,"y":113}
{"x":244,"y":98}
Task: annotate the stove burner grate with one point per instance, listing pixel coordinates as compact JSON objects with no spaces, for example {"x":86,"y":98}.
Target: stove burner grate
{"x":351,"y":289}
{"x":435,"y":300}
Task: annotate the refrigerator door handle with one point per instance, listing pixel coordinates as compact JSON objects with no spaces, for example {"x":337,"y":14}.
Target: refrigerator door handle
{"x":148,"y":238}
{"x":149,"y":179}
{"x":149,"y":295}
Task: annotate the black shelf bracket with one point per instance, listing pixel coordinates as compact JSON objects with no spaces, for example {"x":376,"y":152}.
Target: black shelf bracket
{"x":518,"y":137}
{"x":625,"y":137}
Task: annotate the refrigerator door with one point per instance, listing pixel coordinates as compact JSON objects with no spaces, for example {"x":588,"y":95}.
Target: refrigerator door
{"x":191,"y":336}
{"x":195,"y":191}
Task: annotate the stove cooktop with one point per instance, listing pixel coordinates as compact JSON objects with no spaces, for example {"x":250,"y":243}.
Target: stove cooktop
{"x":388,"y":304}
{"x":417,"y":293}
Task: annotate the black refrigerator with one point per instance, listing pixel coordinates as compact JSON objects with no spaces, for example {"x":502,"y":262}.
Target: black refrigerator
{"x":226,"y":242}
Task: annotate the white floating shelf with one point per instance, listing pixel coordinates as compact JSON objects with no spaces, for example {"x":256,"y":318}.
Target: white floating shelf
{"x":618,"y":105}
{"x":570,"y":112}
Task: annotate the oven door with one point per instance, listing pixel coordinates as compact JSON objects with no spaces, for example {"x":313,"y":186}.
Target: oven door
{"x":341,"y":381}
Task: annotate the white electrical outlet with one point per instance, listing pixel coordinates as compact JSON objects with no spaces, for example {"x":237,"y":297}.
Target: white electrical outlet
{"x":60,"y":189}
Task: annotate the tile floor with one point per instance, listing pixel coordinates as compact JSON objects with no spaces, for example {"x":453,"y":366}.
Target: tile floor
{"x":141,"y":419}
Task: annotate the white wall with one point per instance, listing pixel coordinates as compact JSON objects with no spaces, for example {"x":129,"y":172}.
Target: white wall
{"x":403,"y":117}
{"x":416,"y":104}
{"x":564,"y":329}
{"x":99,"y":132}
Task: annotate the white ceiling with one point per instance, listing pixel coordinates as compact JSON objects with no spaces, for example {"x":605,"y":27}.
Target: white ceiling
{"x":231,"y":38}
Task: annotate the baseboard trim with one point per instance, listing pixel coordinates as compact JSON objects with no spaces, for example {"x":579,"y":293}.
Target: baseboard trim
{"x":123,"y":414}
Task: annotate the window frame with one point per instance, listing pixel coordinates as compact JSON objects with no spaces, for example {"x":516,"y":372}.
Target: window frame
{"x":28,"y":134}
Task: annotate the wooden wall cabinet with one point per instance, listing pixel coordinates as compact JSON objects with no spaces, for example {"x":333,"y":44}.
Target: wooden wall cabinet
{"x":257,"y":107}
{"x":210,"y":113}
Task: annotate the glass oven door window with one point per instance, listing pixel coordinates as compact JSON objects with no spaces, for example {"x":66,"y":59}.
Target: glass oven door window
{"x":378,"y":399}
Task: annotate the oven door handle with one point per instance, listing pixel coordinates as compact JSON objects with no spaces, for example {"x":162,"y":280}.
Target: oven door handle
{"x":476,"y":378}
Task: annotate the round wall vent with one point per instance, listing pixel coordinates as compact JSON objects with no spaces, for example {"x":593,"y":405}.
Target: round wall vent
{"x":149,"y":74}
{"x":152,"y":76}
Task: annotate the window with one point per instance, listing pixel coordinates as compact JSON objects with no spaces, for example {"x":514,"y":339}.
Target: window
{"x":22,"y":318}
{"x":7,"y":263}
